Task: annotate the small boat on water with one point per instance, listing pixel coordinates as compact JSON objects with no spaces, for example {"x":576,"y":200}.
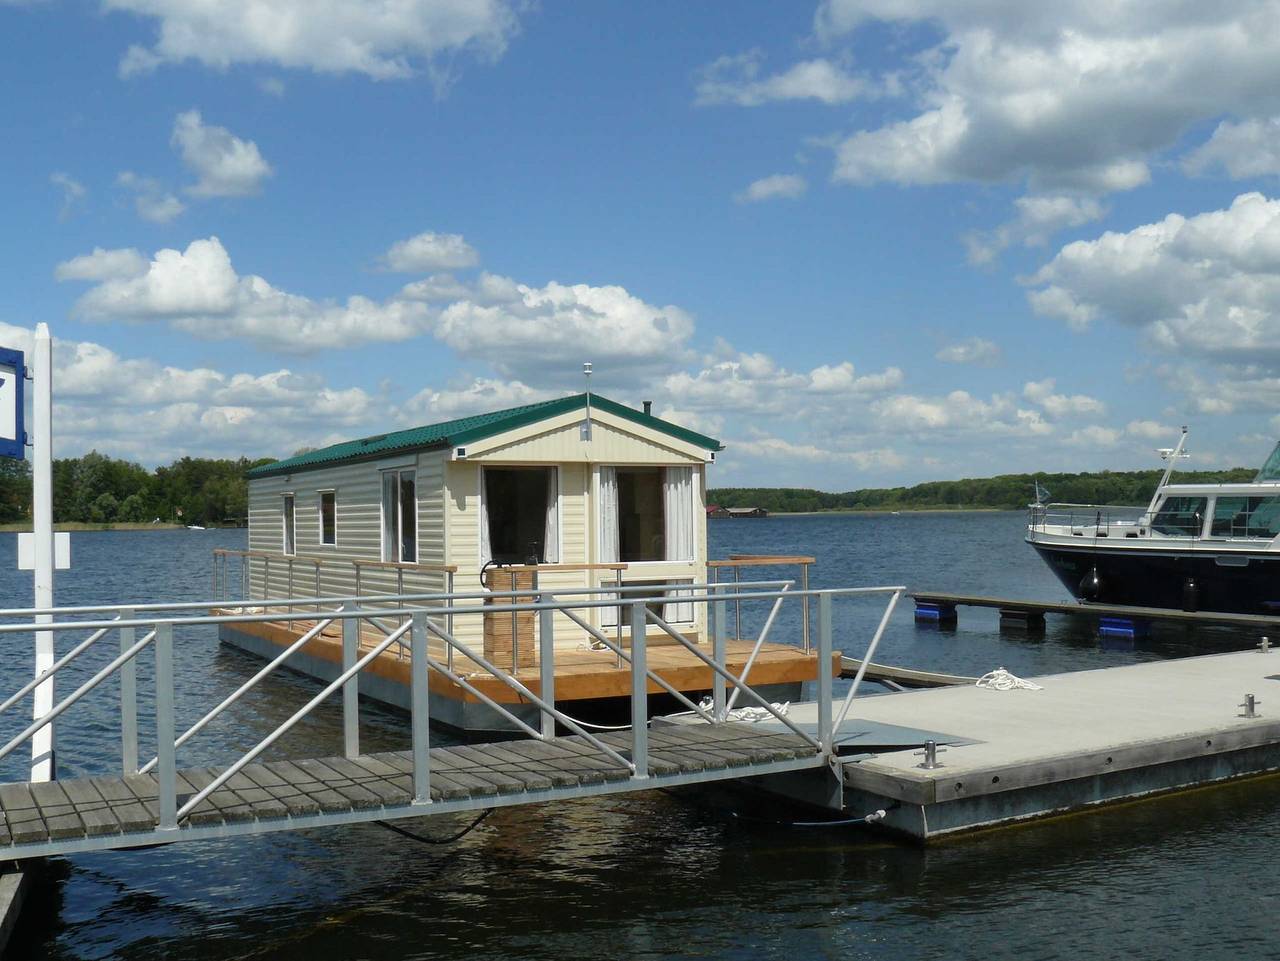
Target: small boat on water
{"x":1212,"y":547}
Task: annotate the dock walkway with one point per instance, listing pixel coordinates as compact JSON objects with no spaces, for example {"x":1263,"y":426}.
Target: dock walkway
{"x":1008,"y":605}
{"x":101,"y":813}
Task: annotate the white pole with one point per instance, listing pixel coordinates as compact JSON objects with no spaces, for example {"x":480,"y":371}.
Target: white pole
{"x":42,"y":744}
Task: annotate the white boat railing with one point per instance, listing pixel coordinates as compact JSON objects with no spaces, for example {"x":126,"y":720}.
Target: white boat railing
{"x":167,"y":627}
{"x":1090,"y":520}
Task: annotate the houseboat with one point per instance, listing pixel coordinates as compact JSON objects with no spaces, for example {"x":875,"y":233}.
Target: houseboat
{"x":575,"y":493}
{"x":1211,"y":547}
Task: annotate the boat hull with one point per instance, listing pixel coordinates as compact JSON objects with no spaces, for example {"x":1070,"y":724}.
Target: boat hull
{"x":1236,"y":583}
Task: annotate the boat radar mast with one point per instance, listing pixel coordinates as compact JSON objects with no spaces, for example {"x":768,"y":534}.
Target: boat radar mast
{"x":1170,"y":455}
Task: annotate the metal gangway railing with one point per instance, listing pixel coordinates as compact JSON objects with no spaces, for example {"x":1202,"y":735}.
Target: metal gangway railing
{"x":1087,"y":520}
{"x":161,"y":630}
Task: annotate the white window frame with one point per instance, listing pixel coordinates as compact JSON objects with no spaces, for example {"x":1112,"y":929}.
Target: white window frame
{"x":288,"y":519}
{"x":382,"y":514}
{"x":320,"y":517}
{"x":693,"y":514}
{"x":559,"y":506}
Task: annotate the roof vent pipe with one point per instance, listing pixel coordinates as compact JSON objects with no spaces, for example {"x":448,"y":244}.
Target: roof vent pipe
{"x":648,"y":408}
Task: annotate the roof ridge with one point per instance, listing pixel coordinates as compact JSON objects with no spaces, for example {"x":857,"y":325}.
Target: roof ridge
{"x":463,"y":430}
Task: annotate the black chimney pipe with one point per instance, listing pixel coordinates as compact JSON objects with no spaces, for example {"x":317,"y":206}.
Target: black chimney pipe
{"x":648,"y":408}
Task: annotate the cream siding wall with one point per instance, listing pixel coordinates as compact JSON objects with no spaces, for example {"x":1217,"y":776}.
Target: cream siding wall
{"x":613,"y":441}
{"x":358,"y":500}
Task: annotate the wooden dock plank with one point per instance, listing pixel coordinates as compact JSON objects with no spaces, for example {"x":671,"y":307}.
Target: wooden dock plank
{"x":308,"y":785}
{"x":124,"y":804}
{"x":262,"y":804}
{"x":358,"y":798}
{"x":293,"y":799}
{"x":94,"y":811}
{"x":387,"y":791}
{"x":22,"y":814}
{"x":557,"y":757}
{"x":450,"y":779}
{"x":496,"y":765}
{"x":392,"y":777}
{"x":58,"y":810}
{"x":518,"y":762}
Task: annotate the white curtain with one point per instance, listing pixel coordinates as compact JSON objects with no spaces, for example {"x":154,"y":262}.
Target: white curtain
{"x":608,"y":515}
{"x":551,"y":531}
{"x":677,"y":504}
{"x":486,"y":551}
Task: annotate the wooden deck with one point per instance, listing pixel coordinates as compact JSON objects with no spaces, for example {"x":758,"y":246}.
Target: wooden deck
{"x":110,"y":812}
{"x":581,"y":674}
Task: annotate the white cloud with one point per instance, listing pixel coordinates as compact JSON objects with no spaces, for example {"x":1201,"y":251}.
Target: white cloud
{"x":1250,"y":148}
{"x":198,"y":291}
{"x":958,"y":412}
{"x":1061,"y":405}
{"x":778,"y":448}
{"x":225,"y":165}
{"x":1094,"y":437}
{"x":773,"y":187}
{"x":1206,"y":286}
{"x":975,"y":350}
{"x":272,"y":86}
{"x":384,"y":41}
{"x":1039,"y":217}
{"x":737,"y":80}
{"x":483,"y":394}
{"x":140,"y":409}
{"x":1150,"y":430}
{"x":103,"y":265}
{"x":430,"y":251}
{"x":529,"y":332}
{"x":73,"y":192}
{"x":1074,"y":95}
{"x":437,"y":288}
{"x":150,"y":198}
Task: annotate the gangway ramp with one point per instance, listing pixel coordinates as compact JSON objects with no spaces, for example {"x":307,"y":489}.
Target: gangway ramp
{"x":100,"y":813}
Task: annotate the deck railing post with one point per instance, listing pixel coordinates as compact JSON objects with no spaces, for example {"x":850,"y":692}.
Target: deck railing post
{"x":165,"y":750}
{"x":420,"y":716}
{"x":266,"y":581}
{"x":515,"y":629}
{"x":804,"y":608}
{"x":289,"y":585}
{"x":824,"y":673}
{"x":639,"y":692}
{"x":737,"y":605}
{"x":317,"y":594}
{"x":617,"y":580}
{"x":448,"y":619}
{"x":244,"y":578}
{"x":351,"y":689}
{"x":547,"y":664}
{"x":128,"y":701}
{"x":719,"y":626}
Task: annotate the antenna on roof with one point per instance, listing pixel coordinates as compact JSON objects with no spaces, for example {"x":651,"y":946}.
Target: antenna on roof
{"x":585,"y":432}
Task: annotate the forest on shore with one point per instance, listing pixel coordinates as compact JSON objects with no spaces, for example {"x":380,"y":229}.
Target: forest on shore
{"x":1005,"y":492}
{"x":96,"y":489}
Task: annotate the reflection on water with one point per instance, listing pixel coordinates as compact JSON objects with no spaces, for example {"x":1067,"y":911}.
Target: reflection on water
{"x":652,"y":875}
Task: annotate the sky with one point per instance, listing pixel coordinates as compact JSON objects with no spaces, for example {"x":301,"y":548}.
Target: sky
{"x":863,"y":242}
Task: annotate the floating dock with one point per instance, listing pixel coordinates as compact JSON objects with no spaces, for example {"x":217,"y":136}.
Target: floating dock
{"x":1084,"y":740}
{"x":940,"y":608}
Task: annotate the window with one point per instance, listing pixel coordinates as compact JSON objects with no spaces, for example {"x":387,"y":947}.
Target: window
{"x":520,"y":515}
{"x":1246,"y":517}
{"x":646,"y":514}
{"x":399,"y":516}
{"x":328,"y":517}
{"x":290,"y":539}
{"x":1180,"y":516}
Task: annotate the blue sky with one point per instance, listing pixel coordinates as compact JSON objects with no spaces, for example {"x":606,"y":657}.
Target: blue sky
{"x":865,"y":242}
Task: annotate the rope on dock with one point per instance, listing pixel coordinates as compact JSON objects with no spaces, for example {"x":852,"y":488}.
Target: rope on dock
{"x":1002,"y":680}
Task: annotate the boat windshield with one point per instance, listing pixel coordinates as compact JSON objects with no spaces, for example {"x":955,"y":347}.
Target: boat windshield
{"x":1271,"y":469}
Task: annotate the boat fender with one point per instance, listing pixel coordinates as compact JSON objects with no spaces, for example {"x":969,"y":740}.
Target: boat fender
{"x":1091,"y":585}
{"x":1190,"y":595}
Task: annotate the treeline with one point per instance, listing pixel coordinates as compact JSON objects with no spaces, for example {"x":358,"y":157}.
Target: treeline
{"x":1006,"y":492}
{"x":97,"y":489}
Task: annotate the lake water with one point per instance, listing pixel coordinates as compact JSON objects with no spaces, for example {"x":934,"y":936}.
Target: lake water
{"x":650,"y":875}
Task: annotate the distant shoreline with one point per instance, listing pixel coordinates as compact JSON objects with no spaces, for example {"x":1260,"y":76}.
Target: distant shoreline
{"x":882,"y":511}
{"x":23,"y":528}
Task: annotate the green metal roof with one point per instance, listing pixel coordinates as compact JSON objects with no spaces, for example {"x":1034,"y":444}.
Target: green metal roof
{"x":467,"y":430}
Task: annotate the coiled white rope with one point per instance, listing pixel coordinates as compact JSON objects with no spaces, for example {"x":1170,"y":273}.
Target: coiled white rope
{"x":1002,"y":680}
{"x":752,"y":714}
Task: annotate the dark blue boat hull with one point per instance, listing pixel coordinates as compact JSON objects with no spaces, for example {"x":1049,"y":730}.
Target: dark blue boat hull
{"x":1233,"y":583}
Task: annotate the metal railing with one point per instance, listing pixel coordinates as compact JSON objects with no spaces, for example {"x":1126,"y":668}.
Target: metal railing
{"x":1086,"y":520}
{"x":165,"y":626}
{"x":737,"y":562}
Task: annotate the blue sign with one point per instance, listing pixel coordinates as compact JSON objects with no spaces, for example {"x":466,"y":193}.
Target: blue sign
{"x":13,"y":377}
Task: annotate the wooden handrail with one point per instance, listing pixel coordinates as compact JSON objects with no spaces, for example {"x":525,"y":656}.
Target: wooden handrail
{"x":322,"y":561}
{"x":762,"y":560}
{"x":561,"y":568}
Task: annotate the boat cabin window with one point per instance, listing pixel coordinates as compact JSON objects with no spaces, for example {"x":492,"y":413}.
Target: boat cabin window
{"x":1271,"y":469}
{"x":290,"y":538}
{"x":646,"y":514}
{"x":1246,"y":517}
{"x":399,"y":517}
{"x":520,"y":515}
{"x":1180,"y":516}
{"x":328,"y":517}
